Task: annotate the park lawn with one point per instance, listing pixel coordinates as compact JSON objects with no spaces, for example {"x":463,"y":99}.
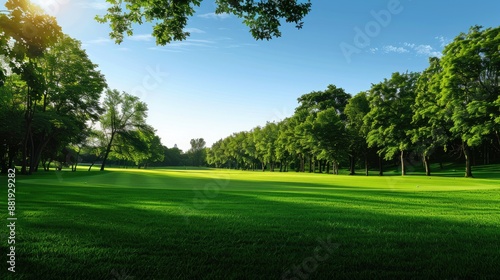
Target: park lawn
{"x":219,"y":224}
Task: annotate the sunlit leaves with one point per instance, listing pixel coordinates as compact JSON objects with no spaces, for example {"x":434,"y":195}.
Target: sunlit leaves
{"x":471,"y":84}
{"x":170,"y":17}
{"x":390,"y":117}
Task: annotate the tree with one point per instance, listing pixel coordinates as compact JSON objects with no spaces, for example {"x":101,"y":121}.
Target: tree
{"x":268,"y":143}
{"x":170,"y":17}
{"x":95,"y":147}
{"x":329,"y":134}
{"x":123,"y":113}
{"x":333,"y":99}
{"x":356,"y":109}
{"x":390,"y":115}
{"x":430,"y":129}
{"x":214,"y":155}
{"x":11,"y":116}
{"x":470,"y":87}
{"x":140,"y":146}
{"x":197,"y":151}
{"x":31,"y":33}
{"x":173,"y":156}
{"x":73,"y":86}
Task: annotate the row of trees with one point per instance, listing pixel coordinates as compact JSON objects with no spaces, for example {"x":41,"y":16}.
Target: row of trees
{"x":50,"y":106}
{"x":450,"y":109}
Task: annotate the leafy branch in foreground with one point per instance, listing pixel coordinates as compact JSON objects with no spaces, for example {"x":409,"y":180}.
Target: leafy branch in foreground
{"x":170,"y":17}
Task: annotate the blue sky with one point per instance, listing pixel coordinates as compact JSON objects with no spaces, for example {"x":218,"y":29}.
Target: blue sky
{"x":222,"y":81}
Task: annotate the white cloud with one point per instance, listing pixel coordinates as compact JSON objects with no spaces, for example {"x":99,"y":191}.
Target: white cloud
{"x":214,"y":16}
{"x":443,"y":40}
{"x":99,"y":41}
{"x":427,"y":50}
{"x":182,"y":45}
{"x":194,"y":30}
{"x":96,"y":5}
{"x":424,"y":50}
{"x":200,"y":41}
{"x":163,"y":49}
{"x":189,"y":44}
{"x":141,"y":37}
{"x":409,"y":45}
{"x":390,"y":48}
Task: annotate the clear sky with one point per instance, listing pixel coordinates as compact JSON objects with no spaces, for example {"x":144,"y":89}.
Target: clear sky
{"x":222,"y":81}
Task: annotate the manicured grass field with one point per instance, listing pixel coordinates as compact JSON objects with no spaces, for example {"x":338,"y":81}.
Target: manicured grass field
{"x":216,"y":224}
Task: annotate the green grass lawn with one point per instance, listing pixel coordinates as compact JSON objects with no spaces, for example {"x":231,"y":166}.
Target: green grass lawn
{"x":216,"y":224}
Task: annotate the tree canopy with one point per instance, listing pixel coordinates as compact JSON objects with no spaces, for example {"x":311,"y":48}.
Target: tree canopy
{"x":170,"y":17}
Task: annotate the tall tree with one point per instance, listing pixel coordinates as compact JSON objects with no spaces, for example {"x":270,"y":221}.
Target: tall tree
{"x":430,"y":129}
{"x":470,"y":87}
{"x":31,"y":33}
{"x":71,"y":97}
{"x":11,"y":116}
{"x":170,"y":17}
{"x":333,"y":99}
{"x":173,"y":156}
{"x":123,"y":113}
{"x":140,"y":146}
{"x":390,"y":115}
{"x":355,"y":110}
{"x":329,"y":136}
{"x":197,"y":151}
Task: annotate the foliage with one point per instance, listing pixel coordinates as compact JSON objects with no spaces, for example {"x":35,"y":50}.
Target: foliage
{"x":123,"y":121}
{"x":170,"y":17}
{"x":197,"y":152}
{"x":470,"y":87}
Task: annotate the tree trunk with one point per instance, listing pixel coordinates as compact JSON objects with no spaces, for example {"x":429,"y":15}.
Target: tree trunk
{"x":76,"y":159}
{"x":44,"y":164}
{"x":310,"y":164}
{"x":28,"y":116}
{"x":108,"y":149}
{"x":380,"y":166}
{"x":327,"y":167}
{"x":366,"y":165}
{"x":352,"y":170}
{"x":427,"y":166}
{"x":37,"y":153}
{"x":403,"y":167}
{"x":11,"y":154}
{"x":467,"y":153}
{"x":24,"y":162}
{"x":302,"y":163}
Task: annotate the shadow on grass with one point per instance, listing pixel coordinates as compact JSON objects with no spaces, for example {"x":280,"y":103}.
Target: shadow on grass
{"x":249,"y":232}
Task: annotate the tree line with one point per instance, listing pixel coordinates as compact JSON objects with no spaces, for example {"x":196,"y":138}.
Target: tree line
{"x":50,"y":106}
{"x":448,"y":112}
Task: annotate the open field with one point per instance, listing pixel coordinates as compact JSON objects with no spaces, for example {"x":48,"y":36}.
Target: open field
{"x":217,"y":224}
